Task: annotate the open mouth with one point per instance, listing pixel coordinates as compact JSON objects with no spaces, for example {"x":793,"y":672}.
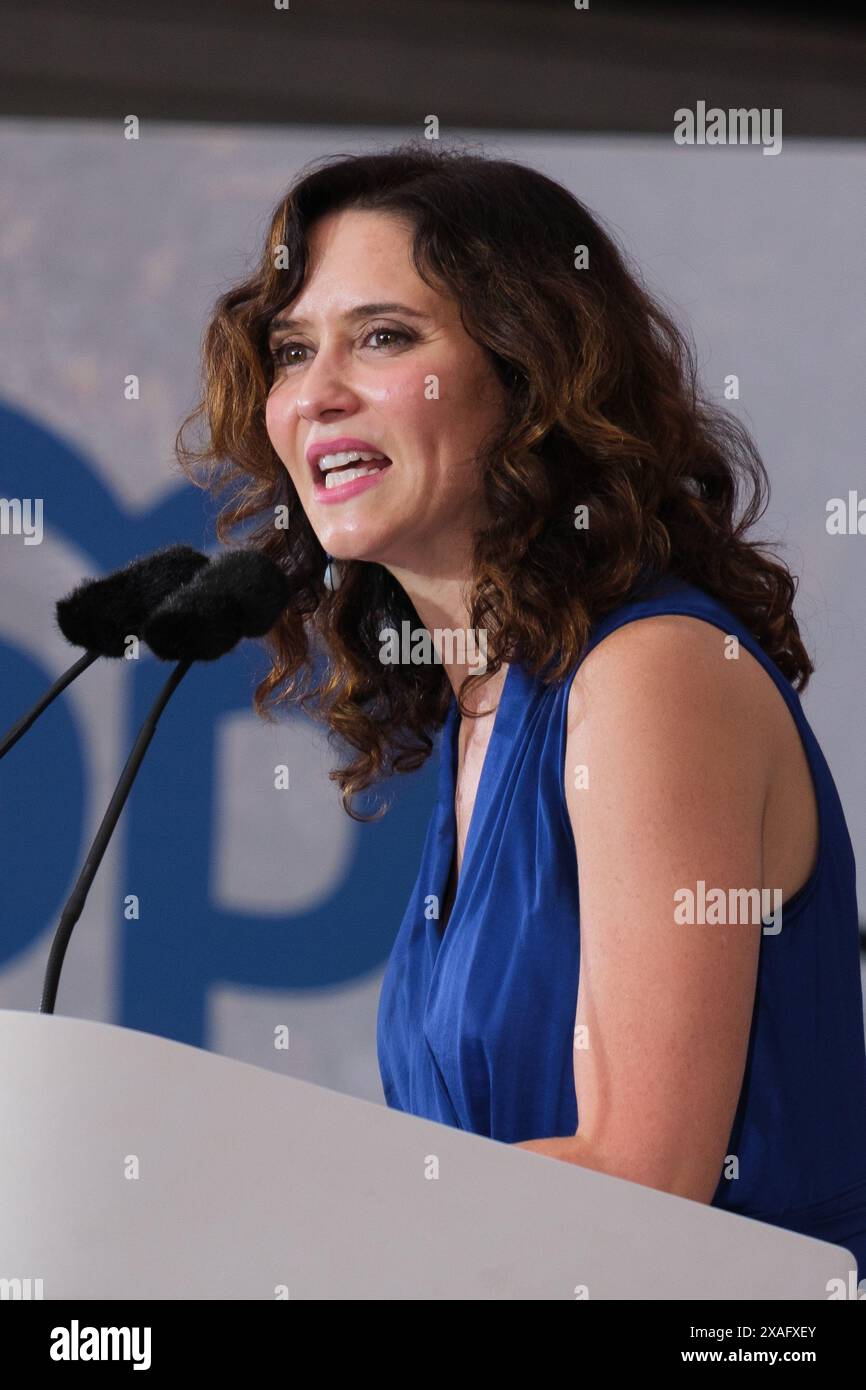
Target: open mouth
{"x":345,"y":467}
{"x":341,"y":474}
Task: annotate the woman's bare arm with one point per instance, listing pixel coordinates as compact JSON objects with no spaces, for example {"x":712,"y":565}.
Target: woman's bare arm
{"x":678,"y":757}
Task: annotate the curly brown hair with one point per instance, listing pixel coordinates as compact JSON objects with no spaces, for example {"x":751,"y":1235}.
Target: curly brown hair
{"x":603,"y":410}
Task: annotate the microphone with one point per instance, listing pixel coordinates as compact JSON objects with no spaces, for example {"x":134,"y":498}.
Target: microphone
{"x":239,"y":594}
{"x":100,"y":614}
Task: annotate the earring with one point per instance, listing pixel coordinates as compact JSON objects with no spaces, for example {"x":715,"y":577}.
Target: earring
{"x":333,"y":574}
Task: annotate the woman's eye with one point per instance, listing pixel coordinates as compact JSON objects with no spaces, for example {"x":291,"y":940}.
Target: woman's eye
{"x":280,"y":355}
{"x":391,"y":333}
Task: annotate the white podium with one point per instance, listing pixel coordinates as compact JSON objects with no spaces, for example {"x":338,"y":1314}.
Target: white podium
{"x":133,"y":1167}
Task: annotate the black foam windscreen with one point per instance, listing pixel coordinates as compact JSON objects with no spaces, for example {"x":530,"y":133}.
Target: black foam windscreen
{"x":240,"y":594}
{"x":100,"y":614}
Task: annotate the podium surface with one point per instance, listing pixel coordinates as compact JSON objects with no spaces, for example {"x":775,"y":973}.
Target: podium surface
{"x":136,"y":1167}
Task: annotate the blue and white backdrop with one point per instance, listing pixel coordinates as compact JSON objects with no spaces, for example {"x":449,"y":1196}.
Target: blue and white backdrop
{"x":255,"y":907}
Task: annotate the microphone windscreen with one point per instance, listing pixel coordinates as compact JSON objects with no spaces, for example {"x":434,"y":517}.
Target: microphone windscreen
{"x":101,"y":614}
{"x":240,"y":594}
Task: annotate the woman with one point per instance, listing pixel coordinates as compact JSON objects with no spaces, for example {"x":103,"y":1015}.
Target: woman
{"x":525,"y":459}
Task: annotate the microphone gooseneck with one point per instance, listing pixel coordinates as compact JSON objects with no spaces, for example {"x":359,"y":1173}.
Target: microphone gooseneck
{"x":77,"y":898}
{"x":239,"y":594}
{"x":11,"y":737}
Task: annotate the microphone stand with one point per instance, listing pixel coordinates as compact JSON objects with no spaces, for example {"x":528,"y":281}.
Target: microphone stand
{"x":20,"y":729}
{"x":75,"y":904}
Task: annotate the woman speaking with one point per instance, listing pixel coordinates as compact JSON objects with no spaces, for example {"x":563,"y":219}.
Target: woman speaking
{"x":449,"y":406}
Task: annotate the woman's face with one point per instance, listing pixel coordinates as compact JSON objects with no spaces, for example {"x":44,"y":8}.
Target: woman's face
{"x":407,"y":381}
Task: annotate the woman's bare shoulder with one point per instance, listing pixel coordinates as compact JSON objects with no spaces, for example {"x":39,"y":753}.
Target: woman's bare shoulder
{"x":666,"y":663}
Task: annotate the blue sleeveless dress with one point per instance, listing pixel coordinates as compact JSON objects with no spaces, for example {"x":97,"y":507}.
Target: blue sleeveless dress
{"x":475,"y":1025}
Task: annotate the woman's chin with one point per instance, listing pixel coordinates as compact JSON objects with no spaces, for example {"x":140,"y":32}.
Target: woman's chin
{"x":371,"y":549}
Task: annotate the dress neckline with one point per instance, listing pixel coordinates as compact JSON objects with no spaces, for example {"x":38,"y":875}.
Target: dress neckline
{"x":502,"y":723}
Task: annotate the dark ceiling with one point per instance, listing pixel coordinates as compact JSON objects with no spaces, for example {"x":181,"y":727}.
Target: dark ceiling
{"x":540,"y":64}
